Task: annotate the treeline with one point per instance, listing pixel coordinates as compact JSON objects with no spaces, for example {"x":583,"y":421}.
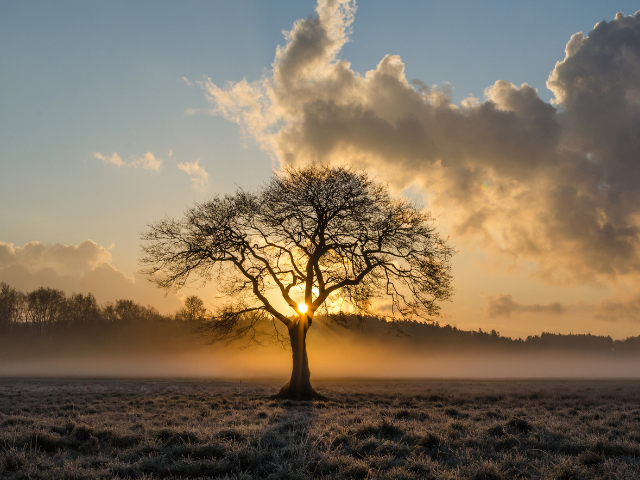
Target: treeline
{"x":47,"y":313}
{"x":47,"y":310}
{"x":436,"y":337}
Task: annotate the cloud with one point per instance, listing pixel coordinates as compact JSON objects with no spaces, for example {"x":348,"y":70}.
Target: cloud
{"x":114,"y":159}
{"x":504,"y":306}
{"x":82,"y":268}
{"x":613,"y":310}
{"x":64,"y":259}
{"x":186,"y":80}
{"x":147,"y":161}
{"x":199,"y":176}
{"x":554,"y":184}
{"x":616,"y":309}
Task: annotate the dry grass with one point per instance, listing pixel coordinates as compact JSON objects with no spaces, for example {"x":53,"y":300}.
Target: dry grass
{"x":368,"y":429}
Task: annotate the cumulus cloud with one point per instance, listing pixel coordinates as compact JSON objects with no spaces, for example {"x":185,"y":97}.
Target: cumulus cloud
{"x":554,"y":184}
{"x":64,"y":259}
{"x":82,"y":268}
{"x":199,"y":176}
{"x":504,"y":306}
{"x":147,"y":161}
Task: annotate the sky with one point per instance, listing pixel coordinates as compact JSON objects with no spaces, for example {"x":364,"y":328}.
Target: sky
{"x":518,"y":132}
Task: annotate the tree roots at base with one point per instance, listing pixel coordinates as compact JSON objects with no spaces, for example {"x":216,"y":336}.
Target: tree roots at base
{"x":308,"y":393}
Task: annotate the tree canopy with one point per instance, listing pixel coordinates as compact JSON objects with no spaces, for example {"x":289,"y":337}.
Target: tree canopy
{"x":327,"y":237}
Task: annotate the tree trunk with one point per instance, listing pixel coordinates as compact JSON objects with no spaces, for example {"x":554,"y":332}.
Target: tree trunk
{"x":299,"y":387}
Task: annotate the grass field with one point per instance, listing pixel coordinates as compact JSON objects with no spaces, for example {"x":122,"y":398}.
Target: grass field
{"x":366,"y":429}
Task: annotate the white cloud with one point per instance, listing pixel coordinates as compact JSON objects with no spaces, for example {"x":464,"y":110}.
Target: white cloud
{"x":559,"y":187}
{"x":147,"y":161}
{"x":186,"y":80}
{"x":199,"y":176}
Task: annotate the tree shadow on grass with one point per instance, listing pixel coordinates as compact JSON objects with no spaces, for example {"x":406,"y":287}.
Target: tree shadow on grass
{"x":285,"y":448}
{"x":281,"y":448}
{"x":291,"y":427}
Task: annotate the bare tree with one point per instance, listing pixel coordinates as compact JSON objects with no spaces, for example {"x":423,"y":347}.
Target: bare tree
{"x":80,"y":310}
{"x":193,"y":311}
{"x":316,"y":239}
{"x":44,"y":307}
{"x":11,"y":307}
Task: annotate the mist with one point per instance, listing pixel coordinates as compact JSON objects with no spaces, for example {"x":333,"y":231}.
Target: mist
{"x":372,"y":350}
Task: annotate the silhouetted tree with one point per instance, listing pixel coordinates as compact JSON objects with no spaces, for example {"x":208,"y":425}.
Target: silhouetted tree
{"x":317,"y":238}
{"x":44,"y":308}
{"x":193,"y":310}
{"x":128,"y":311}
{"x":81,"y":310}
{"x":12,"y":304}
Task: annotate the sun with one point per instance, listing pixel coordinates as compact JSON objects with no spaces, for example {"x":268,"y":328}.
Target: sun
{"x":302,"y":307}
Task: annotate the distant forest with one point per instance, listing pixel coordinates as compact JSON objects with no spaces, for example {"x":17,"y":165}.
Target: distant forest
{"x":43,"y":318}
